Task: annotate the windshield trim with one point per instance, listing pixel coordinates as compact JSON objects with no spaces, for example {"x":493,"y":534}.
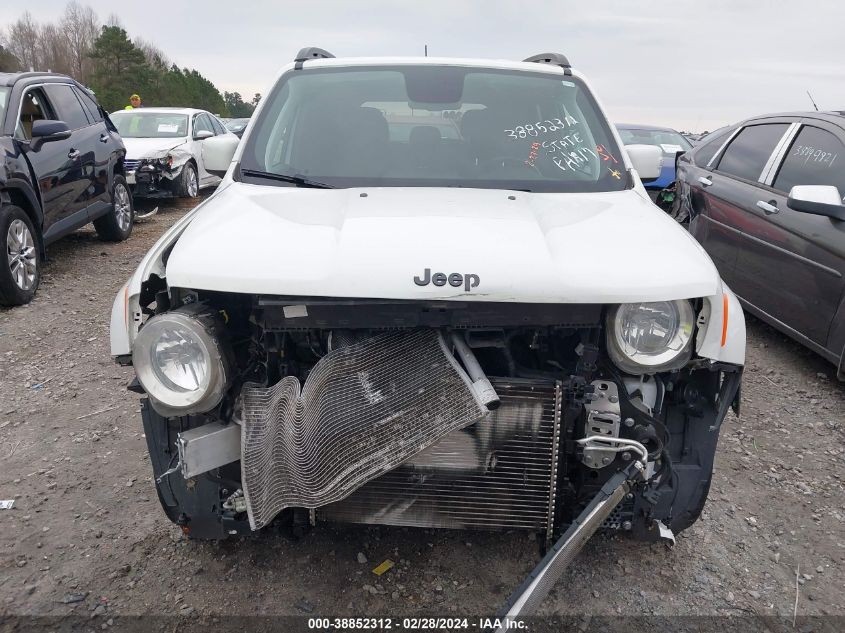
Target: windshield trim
{"x":544,"y":186}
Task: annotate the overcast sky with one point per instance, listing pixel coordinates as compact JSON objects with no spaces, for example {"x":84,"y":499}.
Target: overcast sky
{"x":691,"y":65}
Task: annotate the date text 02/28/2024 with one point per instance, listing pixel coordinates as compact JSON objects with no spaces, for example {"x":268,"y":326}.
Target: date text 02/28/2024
{"x":415,"y":624}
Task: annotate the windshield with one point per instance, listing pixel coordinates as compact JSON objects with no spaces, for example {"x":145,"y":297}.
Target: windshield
{"x":138,"y":124}
{"x":670,"y":141}
{"x":434,"y":126}
{"x":4,"y":97}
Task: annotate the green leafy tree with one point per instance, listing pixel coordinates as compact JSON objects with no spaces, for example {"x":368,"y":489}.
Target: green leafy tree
{"x":120,"y":68}
{"x":236,"y":106}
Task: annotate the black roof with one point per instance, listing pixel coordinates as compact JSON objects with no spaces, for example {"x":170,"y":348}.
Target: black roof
{"x":830,"y":117}
{"x":10,"y":79}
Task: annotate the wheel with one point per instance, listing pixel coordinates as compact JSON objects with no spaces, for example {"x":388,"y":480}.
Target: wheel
{"x":21,"y":272}
{"x":189,"y":184}
{"x":116,"y":225}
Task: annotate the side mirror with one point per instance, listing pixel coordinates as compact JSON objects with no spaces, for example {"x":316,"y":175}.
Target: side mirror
{"x":646,"y":159}
{"x":218,"y":152}
{"x":818,"y":200}
{"x":47,"y":131}
{"x":202,"y":135}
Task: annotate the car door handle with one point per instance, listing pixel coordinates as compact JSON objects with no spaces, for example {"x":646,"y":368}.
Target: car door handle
{"x":73,"y":154}
{"x":104,"y":138}
{"x":705,"y":181}
{"x":769,"y":207}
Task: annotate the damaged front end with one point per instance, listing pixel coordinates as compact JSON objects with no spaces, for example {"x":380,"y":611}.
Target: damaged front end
{"x":158,"y":175}
{"x":287,"y":411}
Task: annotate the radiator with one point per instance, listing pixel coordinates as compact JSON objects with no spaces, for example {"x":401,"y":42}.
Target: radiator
{"x":499,"y":473}
{"x":365,"y":408}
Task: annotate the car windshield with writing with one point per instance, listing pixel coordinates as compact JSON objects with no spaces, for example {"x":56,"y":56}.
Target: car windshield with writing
{"x":133,"y":124}
{"x":670,"y":141}
{"x":434,"y":126}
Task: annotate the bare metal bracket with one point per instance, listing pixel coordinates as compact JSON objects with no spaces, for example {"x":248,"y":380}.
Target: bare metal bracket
{"x":603,"y":419}
{"x":208,"y":447}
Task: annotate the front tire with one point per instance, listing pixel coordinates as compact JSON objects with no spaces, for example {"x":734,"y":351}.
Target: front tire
{"x":116,"y":225}
{"x":20,"y":269}
{"x":189,"y":184}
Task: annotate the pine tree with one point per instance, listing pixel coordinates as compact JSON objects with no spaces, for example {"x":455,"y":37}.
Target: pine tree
{"x":120,"y":68}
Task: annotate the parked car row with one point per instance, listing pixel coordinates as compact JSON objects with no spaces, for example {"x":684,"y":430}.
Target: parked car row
{"x":764,"y":198}
{"x":66,"y":163}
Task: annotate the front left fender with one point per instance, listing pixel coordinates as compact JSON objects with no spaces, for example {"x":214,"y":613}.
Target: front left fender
{"x":126,"y":315}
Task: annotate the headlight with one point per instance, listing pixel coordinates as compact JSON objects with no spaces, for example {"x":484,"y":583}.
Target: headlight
{"x":180,"y":363}
{"x":166,"y":162}
{"x":646,"y":338}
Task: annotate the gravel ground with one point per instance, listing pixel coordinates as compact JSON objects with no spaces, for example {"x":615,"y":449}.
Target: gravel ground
{"x":86,"y":535}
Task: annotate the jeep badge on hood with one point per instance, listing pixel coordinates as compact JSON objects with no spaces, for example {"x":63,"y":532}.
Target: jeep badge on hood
{"x":468,"y":281}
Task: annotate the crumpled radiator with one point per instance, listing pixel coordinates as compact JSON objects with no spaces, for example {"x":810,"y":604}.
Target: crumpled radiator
{"x":364,"y":409}
{"x":499,"y":473}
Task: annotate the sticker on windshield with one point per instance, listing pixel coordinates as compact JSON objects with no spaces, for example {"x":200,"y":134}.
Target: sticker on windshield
{"x":605,"y":154}
{"x":168,"y":128}
{"x":671,"y":149}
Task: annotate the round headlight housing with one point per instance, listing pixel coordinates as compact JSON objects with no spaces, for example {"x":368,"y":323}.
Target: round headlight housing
{"x":646,"y":338}
{"x":180,"y":363}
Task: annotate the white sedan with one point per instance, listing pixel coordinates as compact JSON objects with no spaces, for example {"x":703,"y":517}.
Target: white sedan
{"x":164,"y":150}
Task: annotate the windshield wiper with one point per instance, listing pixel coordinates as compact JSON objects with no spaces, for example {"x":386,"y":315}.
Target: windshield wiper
{"x":302,"y":181}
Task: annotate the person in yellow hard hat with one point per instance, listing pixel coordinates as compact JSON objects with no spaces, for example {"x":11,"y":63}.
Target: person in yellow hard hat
{"x":135,"y":102}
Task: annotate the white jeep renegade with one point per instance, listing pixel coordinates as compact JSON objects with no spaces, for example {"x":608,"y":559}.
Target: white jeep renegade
{"x":429,"y":292}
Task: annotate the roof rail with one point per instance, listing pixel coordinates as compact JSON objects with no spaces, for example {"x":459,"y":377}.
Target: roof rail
{"x":310,"y":52}
{"x":556,"y":59}
{"x":24,"y":75}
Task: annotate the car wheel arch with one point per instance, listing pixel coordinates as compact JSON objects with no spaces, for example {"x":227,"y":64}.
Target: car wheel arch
{"x":26,"y":200}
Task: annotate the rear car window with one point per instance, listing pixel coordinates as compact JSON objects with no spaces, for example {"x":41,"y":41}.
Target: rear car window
{"x":64,"y":100}
{"x":748,"y":153}
{"x":816,"y":157}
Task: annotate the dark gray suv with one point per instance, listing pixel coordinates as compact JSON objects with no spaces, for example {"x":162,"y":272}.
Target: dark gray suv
{"x":765,"y":200}
{"x":61,"y":167}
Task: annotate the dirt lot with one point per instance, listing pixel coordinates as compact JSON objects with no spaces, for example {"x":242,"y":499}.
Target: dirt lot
{"x":86,"y":534}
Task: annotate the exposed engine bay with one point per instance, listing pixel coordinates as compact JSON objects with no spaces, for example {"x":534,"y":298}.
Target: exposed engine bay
{"x":451,"y":414}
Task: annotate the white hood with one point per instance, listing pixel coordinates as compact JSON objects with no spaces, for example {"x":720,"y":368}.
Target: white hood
{"x":138,"y":148}
{"x":537,"y":248}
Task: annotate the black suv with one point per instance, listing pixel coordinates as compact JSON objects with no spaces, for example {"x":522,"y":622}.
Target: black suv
{"x":61,"y":168}
{"x":765,"y":200}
